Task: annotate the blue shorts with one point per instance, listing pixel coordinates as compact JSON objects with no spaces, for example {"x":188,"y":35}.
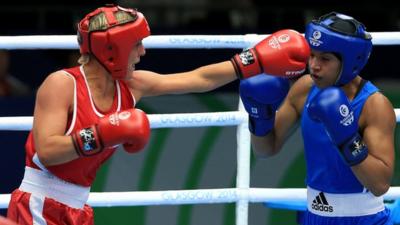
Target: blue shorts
{"x":381,"y":218}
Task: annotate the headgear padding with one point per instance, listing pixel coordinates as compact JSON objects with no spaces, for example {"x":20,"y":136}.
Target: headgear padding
{"x":112,"y":44}
{"x":345,"y":36}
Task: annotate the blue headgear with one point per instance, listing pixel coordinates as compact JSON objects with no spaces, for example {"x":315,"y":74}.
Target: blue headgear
{"x":341,"y":34}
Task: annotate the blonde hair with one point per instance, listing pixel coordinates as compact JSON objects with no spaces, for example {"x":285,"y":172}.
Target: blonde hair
{"x":84,"y":59}
{"x":99,"y":22}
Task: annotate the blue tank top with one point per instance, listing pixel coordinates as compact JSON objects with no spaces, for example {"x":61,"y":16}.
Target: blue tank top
{"x":326,"y":170}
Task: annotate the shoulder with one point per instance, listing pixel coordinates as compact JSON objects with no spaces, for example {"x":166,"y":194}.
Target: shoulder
{"x":56,"y":87}
{"x":378,"y":109}
{"x":142,"y":75}
{"x":299,"y":91}
{"x":141,"y":78}
{"x":380,"y":103}
{"x":302,"y":85}
{"x":58,"y":78}
{"x":142,"y":82}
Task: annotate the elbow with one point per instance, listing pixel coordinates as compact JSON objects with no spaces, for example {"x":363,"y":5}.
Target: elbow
{"x":265,"y":146}
{"x":380,"y":190}
{"x":261,"y":155}
{"x":264,"y":153}
{"x":44,"y":158}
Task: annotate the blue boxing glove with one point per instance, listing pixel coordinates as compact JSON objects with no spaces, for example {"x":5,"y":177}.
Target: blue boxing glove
{"x":332,"y":108}
{"x":261,"y":96}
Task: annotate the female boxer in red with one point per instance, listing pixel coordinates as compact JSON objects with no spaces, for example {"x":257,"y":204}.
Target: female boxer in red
{"x":83,"y":113}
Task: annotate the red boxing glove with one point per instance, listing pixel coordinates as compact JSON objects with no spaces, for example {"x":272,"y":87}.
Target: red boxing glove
{"x":284,"y":53}
{"x":129,"y":126}
{"x":134,"y":147}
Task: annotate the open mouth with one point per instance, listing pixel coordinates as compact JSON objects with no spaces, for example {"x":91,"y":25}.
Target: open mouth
{"x":316,"y":77}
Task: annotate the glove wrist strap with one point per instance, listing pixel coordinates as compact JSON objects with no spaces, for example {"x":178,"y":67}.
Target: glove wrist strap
{"x":87,"y":142}
{"x":260,"y":127}
{"x":246,"y":64}
{"x":354,"y":150}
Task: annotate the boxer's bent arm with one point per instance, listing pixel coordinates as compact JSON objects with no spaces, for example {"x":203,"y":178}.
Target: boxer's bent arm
{"x":376,"y":171}
{"x":53,"y":101}
{"x":286,"y":120}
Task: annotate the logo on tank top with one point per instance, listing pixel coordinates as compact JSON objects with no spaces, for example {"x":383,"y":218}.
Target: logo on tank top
{"x":321,"y":204}
{"x":124,"y":115}
{"x":113,"y":119}
{"x":116,"y":117}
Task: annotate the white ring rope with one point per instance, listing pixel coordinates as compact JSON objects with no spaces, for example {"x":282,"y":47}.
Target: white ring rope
{"x":242,"y":194}
{"x":166,"y":41}
{"x":174,"y":120}
{"x":202,"y":196}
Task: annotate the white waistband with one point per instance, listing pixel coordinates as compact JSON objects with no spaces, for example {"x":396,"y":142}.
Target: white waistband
{"x":355,"y":204}
{"x":45,"y":184}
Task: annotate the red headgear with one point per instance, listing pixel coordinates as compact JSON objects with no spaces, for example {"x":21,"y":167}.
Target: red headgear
{"x":111,"y":46}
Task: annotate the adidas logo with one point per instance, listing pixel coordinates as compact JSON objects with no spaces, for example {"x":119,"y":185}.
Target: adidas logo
{"x":321,"y":204}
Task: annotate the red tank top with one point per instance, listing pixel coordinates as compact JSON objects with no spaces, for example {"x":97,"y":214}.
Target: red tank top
{"x":83,"y":170}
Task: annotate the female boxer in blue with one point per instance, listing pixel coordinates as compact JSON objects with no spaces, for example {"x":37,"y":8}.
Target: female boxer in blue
{"x":347,"y":124}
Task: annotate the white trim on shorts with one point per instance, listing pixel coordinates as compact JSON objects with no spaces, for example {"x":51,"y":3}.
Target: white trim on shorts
{"x":44,"y":184}
{"x":340,"y":205}
{"x":36,"y":204}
